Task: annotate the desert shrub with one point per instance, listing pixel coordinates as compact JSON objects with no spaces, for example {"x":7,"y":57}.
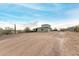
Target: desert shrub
{"x":76,"y":29}
{"x":19,"y":31}
{"x":71,"y":29}
{"x":55,"y":29}
{"x":66,"y":29}
{"x":1,"y":31}
{"x":8,"y":30}
{"x":27,"y":29}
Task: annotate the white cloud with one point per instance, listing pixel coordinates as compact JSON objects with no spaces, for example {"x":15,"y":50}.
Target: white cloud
{"x":69,"y":23}
{"x":73,"y":13}
{"x":41,"y":7}
{"x":32,"y":6}
{"x":18,"y":25}
{"x":65,"y":24}
{"x":37,"y":15}
{"x":72,"y":19}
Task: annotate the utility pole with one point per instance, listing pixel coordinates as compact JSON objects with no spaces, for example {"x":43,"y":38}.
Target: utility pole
{"x":15,"y":28}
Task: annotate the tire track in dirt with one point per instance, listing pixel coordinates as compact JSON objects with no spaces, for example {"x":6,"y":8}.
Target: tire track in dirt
{"x":61,"y":37}
{"x":34,"y":44}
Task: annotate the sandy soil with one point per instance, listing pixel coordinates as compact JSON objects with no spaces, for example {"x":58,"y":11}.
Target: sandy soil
{"x":40,"y":44}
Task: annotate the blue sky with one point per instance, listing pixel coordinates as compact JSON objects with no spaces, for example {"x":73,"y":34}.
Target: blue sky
{"x":51,"y":13}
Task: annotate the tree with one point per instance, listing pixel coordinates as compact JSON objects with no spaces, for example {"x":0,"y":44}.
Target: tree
{"x":27,"y":29}
{"x":76,"y":29}
{"x":55,"y":29}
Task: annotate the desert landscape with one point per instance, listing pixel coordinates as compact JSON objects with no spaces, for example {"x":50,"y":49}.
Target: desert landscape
{"x":40,"y":44}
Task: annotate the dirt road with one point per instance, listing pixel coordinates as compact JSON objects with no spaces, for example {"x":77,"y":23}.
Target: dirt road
{"x":40,"y":44}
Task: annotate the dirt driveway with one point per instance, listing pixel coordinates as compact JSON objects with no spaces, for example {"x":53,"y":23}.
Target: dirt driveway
{"x":40,"y":44}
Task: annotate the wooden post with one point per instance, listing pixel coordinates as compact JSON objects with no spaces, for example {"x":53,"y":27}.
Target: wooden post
{"x":15,"y":28}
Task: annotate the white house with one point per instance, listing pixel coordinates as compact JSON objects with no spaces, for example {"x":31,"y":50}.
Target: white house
{"x":43,"y":28}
